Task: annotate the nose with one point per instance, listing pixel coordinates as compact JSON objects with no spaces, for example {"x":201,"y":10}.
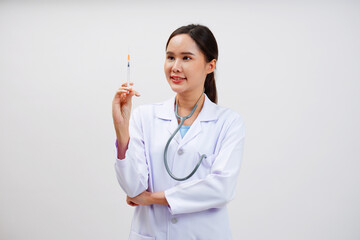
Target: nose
{"x":176,"y":67}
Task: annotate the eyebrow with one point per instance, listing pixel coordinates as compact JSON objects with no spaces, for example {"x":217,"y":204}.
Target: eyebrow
{"x":182,"y":53}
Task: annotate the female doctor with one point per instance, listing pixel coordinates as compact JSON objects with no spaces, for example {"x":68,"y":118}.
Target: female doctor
{"x":155,"y":172}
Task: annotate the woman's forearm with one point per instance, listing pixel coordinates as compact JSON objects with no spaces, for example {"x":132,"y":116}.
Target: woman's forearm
{"x":148,"y":198}
{"x":122,"y":141}
{"x":159,"y":198}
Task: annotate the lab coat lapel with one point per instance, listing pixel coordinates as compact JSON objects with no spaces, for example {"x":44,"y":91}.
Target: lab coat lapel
{"x":194,"y":130}
{"x":207,"y":113}
{"x":166,"y":112}
{"x":172,"y":125}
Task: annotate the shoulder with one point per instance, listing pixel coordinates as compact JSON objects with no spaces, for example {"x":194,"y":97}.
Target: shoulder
{"x":222,"y":114}
{"x":231,"y":124}
{"x":230,"y":115}
{"x":231,"y":121}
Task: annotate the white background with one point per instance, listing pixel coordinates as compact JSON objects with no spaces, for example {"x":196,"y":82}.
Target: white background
{"x":291,"y":69}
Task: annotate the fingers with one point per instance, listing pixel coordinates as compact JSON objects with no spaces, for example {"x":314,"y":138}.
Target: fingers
{"x":124,"y":93}
{"x":131,"y":203}
{"x":125,"y":84}
{"x":136,"y":93}
{"x":125,"y":90}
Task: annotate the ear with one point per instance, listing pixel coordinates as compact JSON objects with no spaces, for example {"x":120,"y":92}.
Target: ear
{"x":211,"y":66}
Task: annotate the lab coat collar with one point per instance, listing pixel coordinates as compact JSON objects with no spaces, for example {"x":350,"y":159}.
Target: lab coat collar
{"x":208,"y":112}
{"x":166,"y":111}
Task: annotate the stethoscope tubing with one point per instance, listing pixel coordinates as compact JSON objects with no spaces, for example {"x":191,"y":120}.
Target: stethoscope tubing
{"x":182,"y":120}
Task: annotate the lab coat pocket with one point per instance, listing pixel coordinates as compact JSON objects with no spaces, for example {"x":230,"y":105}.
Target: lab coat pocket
{"x":208,"y":161}
{"x":137,"y":236}
{"x":205,"y":166}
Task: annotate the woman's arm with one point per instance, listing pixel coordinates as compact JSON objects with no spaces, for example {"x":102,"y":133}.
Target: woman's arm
{"x":130,"y":166}
{"x":147,"y":198}
{"x":211,"y":192}
{"x":121,"y":110}
{"x":218,"y":188}
{"x":132,"y":171}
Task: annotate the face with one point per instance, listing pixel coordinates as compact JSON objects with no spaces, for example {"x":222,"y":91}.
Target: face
{"x":186,"y":66}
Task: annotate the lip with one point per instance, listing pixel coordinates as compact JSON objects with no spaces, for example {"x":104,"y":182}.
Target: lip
{"x":177,"y":79}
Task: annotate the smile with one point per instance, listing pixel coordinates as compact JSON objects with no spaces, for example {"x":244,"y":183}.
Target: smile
{"x":176,"y":79}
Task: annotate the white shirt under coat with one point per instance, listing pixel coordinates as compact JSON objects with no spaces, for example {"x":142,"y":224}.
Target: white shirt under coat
{"x":197,"y":206}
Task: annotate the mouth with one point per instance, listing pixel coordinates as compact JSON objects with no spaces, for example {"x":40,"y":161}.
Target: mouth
{"x":176,"y":79}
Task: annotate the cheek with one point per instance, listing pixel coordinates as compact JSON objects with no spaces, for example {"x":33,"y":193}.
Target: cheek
{"x":167,"y":66}
{"x":198,"y":69}
{"x":166,"y":69}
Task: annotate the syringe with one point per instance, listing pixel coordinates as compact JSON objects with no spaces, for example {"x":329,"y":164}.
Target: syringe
{"x":128,"y":72}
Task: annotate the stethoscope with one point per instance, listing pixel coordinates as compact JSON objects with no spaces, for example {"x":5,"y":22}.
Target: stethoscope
{"x":182,"y":120}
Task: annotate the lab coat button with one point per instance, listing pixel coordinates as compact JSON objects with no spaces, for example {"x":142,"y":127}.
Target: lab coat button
{"x":174,"y":220}
{"x":180,"y":151}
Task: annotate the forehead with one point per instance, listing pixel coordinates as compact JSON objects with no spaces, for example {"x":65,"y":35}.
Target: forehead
{"x":183,"y":43}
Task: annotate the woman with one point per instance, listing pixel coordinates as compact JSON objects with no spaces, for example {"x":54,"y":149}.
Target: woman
{"x":186,"y":208}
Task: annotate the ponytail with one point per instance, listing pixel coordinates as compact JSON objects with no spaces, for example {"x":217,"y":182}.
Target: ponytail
{"x":210,"y":87}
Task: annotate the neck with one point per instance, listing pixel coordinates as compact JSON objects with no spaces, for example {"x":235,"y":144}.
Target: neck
{"x":187,"y":102}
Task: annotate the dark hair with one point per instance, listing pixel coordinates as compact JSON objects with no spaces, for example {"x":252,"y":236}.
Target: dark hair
{"x":206,"y":41}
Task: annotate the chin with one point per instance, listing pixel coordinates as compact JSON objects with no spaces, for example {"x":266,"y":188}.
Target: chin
{"x":177,"y":88}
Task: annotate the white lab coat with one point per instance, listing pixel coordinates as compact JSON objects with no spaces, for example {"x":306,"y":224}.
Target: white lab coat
{"x":197,"y":206}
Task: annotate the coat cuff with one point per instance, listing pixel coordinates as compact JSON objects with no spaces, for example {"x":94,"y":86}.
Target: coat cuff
{"x":121,"y":163}
{"x":171,"y":200}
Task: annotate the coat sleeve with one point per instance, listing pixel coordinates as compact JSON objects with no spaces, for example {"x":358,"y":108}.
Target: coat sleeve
{"x":132,"y":171}
{"x":218,"y":188}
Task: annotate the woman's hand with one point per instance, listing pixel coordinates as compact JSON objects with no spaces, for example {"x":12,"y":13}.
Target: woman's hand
{"x":143,"y":198}
{"x":130,"y":202}
{"x":121,"y":109}
{"x":121,"y":105}
{"x":147,"y":198}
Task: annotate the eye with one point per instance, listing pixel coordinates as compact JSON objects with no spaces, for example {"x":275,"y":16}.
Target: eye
{"x":187,"y":58}
{"x":170,"y":58}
